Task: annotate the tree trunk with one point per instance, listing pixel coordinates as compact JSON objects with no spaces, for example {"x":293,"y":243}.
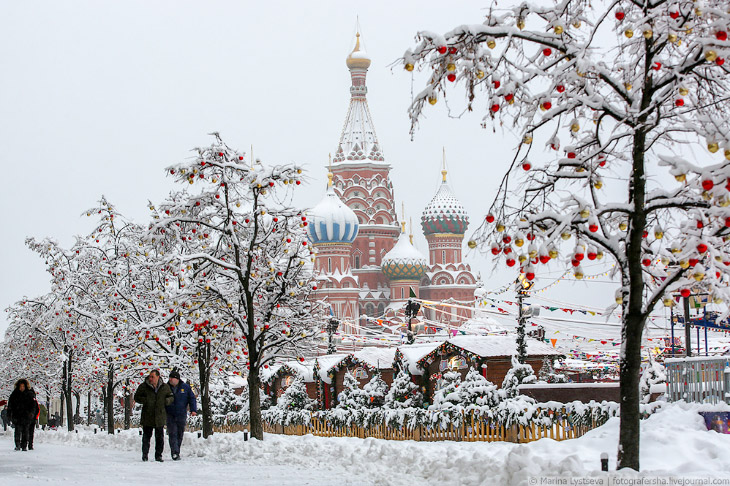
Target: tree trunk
{"x":63,"y":399}
{"x":633,"y":319}
{"x":103,"y":407}
{"x":67,"y":382}
{"x":127,"y":406}
{"x":254,"y":404}
{"x":88,"y":409}
{"x":77,"y":414}
{"x":110,"y":400}
{"x":204,"y":375}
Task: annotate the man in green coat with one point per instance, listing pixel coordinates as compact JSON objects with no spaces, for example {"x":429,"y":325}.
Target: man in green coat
{"x":154,"y":395}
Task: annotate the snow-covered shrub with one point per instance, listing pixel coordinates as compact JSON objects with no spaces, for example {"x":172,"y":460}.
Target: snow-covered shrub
{"x":351,"y":397}
{"x":447,"y":396}
{"x":520,"y":373}
{"x":295,"y":397}
{"x":374,"y":392}
{"x":548,"y":374}
{"x":403,"y":393}
{"x":477,"y":391}
{"x":654,"y":374}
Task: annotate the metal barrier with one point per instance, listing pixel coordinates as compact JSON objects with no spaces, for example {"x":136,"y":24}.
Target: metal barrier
{"x":700,"y":379}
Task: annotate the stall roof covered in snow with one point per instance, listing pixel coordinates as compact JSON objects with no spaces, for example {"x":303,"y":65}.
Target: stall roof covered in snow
{"x":304,"y":369}
{"x":413,"y":353}
{"x":326,"y":363}
{"x":378,"y":358}
{"x":492,"y":346}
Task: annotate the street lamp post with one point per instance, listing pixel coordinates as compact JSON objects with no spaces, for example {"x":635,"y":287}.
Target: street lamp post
{"x":521,"y":287}
{"x":332,"y":326}
{"x":412,"y":308}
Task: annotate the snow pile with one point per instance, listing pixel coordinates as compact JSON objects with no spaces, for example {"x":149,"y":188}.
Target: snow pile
{"x":674,"y":442}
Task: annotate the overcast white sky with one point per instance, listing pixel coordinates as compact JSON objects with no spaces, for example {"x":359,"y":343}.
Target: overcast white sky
{"x":97,"y":97}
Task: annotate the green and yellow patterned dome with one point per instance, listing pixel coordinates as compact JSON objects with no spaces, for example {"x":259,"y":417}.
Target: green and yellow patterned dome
{"x":404,"y":262}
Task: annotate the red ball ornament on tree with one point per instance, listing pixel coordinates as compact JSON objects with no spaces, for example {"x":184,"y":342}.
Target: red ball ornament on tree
{"x":646,"y":261}
{"x":530,"y":275}
{"x":620,"y":15}
{"x":720,"y":61}
{"x":685,"y":293}
{"x":495,"y":108}
{"x":526,"y":165}
{"x":707,"y":184}
{"x":593,"y":228}
{"x":679,"y":102}
{"x":547,"y":105}
{"x":511,"y":262}
{"x":452,"y":50}
{"x":560,"y":88}
{"x":496,"y":83}
{"x":701,"y":248}
{"x":721,"y":35}
{"x":547,"y":51}
{"x":490,"y":218}
{"x":571,"y":155}
{"x":441,"y":49}
{"x":451,"y":77}
{"x":674,"y":14}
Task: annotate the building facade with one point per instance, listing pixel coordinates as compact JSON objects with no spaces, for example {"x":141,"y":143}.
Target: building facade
{"x":370,"y":274}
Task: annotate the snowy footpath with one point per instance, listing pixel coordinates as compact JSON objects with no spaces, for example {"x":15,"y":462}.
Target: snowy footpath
{"x":676,"y":449}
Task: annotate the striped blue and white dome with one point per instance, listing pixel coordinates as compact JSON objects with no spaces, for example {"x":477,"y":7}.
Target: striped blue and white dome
{"x":332,"y":221}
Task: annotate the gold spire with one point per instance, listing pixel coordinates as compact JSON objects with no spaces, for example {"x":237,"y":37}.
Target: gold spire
{"x":329,"y":172}
{"x":410,"y":230}
{"x":443,"y":170}
{"x":403,"y":215}
{"x":358,"y":58}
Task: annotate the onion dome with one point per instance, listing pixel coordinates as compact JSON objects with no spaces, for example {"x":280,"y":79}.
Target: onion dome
{"x":444,"y":214}
{"x":331,"y":220}
{"x":358,"y":58}
{"x":403,"y":261}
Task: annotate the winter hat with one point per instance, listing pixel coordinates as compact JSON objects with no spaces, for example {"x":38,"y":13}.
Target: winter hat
{"x":175,"y":374}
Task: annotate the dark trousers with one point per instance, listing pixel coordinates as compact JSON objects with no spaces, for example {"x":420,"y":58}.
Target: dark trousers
{"x":21,"y":434}
{"x":31,"y":433}
{"x":176,"y":429}
{"x":159,"y":440}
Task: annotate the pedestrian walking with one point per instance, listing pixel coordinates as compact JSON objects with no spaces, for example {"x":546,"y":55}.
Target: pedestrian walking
{"x":43,"y":417}
{"x":34,"y":422}
{"x":4,"y":417}
{"x":177,"y":413}
{"x":22,"y":412}
{"x":154,"y":395}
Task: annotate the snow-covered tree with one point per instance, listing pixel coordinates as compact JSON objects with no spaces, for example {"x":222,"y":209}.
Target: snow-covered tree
{"x":351,"y":397}
{"x":517,"y":375}
{"x":295,"y":397}
{"x":653,"y":374}
{"x":447,"y":397}
{"x":235,"y":243}
{"x":403,"y":393}
{"x":374,"y":391}
{"x":624,"y":94}
{"x":547,"y":372}
{"x":477,"y":390}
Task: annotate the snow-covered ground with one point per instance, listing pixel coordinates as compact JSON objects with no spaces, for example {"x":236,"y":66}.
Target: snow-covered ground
{"x":674,"y":443}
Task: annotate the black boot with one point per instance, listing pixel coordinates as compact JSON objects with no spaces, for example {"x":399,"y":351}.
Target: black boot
{"x":144,"y":458}
{"x":159,"y":459}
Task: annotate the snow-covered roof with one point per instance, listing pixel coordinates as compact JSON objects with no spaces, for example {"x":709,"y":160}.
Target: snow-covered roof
{"x":489,"y":346}
{"x":413,"y":353}
{"x":380,"y":358}
{"x":304,"y":369}
{"x":326,"y":363}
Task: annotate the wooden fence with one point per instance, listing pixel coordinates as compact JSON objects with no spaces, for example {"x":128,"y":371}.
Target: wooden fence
{"x":700,"y":379}
{"x":472,"y":429}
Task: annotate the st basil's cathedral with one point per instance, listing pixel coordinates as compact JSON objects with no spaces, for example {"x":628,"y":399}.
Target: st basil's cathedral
{"x":366,"y":264}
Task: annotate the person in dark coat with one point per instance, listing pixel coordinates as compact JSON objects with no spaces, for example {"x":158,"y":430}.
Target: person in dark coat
{"x":177,"y":413}
{"x":22,"y":412}
{"x":4,"y":416}
{"x":34,"y":422}
{"x":154,"y":395}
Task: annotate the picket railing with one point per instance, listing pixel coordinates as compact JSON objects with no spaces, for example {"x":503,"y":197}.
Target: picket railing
{"x":472,"y":428}
{"x":700,"y":379}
